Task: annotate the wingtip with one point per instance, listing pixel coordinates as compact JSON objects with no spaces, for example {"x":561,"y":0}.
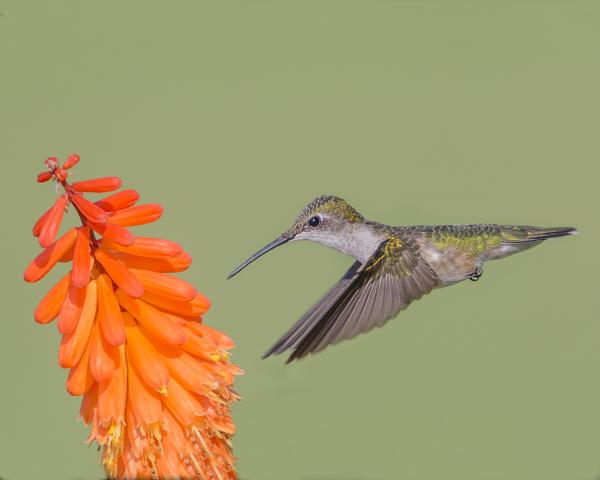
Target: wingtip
{"x":296,"y":355}
{"x":290,"y":359}
{"x":269,"y":353}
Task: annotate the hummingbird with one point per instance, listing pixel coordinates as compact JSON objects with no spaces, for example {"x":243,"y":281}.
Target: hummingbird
{"x":393,"y":267}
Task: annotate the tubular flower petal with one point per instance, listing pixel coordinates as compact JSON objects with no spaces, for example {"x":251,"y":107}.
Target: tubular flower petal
{"x":154,"y":322}
{"x":201,"y":347}
{"x":89,"y":405}
{"x":156,"y":382}
{"x":192,"y":308}
{"x":121,"y":275}
{"x":112,"y":394}
{"x":175,"y":434}
{"x":219,"y":338}
{"x":71,"y":309}
{"x":80,"y":275}
{"x":144,"y":357}
{"x":163,"y":285}
{"x":169,"y":464}
{"x":37,"y":227}
{"x":200,"y":303}
{"x":116,"y":233}
{"x":43,"y":177}
{"x":68,"y":255}
{"x":184,"y":368}
{"x":47,"y":310}
{"x":80,"y":378}
{"x":71,"y":161}
{"x":146,"y":404}
{"x":179,"y":263}
{"x":109,"y":315}
{"x":103,"y":356}
{"x":97,"y":185}
{"x":52,"y":223}
{"x":147,"y":247}
{"x":177,"y":440}
{"x":44,"y":262}
{"x":89,"y":210}
{"x":119,"y":200}
{"x":137,"y":215}
{"x":73,"y":343}
{"x":183,"y":405}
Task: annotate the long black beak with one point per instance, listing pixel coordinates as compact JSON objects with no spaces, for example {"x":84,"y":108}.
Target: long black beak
{"x":275,"y":243}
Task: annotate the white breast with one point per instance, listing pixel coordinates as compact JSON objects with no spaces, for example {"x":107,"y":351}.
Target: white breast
{"x":357,"y":240}
{"x":364,"y":245}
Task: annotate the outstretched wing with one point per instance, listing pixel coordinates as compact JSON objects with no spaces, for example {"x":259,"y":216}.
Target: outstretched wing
{"x":366,"y":297}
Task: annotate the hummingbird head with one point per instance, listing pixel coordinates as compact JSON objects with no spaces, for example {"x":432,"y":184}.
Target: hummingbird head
{"x":324,"y":220}
{"x":325,"y":216}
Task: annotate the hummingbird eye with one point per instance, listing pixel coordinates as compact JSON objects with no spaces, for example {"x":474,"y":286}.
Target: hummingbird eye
{"x":314,"y":221}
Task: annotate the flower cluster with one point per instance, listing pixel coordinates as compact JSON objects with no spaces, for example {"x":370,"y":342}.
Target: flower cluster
{"x":156,"y":382}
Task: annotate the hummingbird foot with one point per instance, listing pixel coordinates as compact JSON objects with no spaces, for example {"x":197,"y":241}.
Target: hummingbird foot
{"x":476,"y":275}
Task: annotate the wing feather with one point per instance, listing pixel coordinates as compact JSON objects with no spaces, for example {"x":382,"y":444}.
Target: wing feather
{"x":367,"y":296}
{"x":300,"y":328}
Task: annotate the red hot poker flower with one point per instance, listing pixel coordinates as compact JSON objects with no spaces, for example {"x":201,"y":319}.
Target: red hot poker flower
{"x":156,"y":382}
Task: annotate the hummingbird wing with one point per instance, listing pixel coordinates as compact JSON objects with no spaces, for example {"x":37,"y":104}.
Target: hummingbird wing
{"x":312,"y":316}
{"x":366,"y":297}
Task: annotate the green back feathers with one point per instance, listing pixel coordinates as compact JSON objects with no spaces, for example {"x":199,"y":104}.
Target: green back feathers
{"x":474,"y":240}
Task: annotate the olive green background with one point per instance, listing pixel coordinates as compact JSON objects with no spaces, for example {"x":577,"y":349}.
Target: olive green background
{"x":233,"y":115}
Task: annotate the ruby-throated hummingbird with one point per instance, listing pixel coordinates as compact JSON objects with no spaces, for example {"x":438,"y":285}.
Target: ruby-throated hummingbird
{"x":394,"y":266}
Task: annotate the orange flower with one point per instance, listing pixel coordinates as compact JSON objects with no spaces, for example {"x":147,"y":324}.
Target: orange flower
{"x":156,"y":382}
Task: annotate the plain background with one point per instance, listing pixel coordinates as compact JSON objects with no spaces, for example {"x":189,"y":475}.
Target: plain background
{"x":233,"y":115}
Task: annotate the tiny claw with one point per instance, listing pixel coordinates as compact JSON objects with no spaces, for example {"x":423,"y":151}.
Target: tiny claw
{"x":476,"y":275}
